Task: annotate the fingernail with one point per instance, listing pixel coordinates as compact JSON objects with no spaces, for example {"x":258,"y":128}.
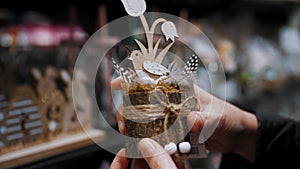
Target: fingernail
{"x":201,"y":139}
{"x":199,"y":115}
{"x":147,"y":147}
{"x":196,"y":121}
{"x":121,"y":126}
{"x":120,"y":123}
{"x":194,"y":114}
{"x":203,"y":117}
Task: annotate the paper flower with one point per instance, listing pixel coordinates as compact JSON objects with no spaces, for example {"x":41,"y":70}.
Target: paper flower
{"x":134,"y":7}
{"x":169,"y":30}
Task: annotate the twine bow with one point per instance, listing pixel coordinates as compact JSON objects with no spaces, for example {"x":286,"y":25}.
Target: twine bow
{"x":173,"y":108}
{"x":159,"y":106}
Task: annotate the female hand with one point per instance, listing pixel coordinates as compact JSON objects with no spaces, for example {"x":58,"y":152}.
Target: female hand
{"x":149,"y":150}
{"x":235,"y":131}
{"x":156,"y":148}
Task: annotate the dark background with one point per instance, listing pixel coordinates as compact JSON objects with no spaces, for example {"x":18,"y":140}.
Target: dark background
{"x":58,"y":11}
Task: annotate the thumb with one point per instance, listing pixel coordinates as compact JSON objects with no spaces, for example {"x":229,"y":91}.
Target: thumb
{"x":195,"y":121}
{"x":155,"y":155}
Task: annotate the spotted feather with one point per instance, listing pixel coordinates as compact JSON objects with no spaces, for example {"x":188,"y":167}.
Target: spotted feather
{"x":191,"y":64}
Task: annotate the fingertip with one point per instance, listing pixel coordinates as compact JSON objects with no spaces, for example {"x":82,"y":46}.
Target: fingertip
{"x":121,"y":127}
{"x":120,"y":120}
{"x":195,"y":121}
{"x":149,"y":147}
{"x":121,"y":152}
{"x":155,"y":155}
{"x":120,"y":161}
{"x":202,"y":95}
{"x":116,"y":83}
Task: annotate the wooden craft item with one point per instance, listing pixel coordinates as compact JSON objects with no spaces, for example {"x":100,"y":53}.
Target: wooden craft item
{"x":74,"y":121}
{"x":138,"y":57}
{"x":21,"y":122}
{"x":148,"y":114}
{"x":157,"y":100}
{"x":52,"y":102}
{"x":70,"y":122}
{"x":155,"y":68}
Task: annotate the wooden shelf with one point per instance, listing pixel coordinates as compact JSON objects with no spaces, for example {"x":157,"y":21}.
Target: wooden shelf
{"x":51,"y":148}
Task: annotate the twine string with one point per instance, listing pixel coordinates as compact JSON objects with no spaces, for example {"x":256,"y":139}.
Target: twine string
{"x":150,"y":112}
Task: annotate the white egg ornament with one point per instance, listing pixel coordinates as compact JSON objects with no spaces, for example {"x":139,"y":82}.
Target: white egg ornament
{"x":185,"y":147}
{"x":171,"y":148}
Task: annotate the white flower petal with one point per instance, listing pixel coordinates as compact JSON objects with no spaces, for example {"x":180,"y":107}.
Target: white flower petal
{"x":134,"y":7}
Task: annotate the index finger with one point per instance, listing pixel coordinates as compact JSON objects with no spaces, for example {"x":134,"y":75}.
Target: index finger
{"x":120,"y":161}
{"x":203,"y":96}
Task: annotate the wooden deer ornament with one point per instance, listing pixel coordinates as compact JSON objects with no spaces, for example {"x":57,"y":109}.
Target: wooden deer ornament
{"x":52,"y":102}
